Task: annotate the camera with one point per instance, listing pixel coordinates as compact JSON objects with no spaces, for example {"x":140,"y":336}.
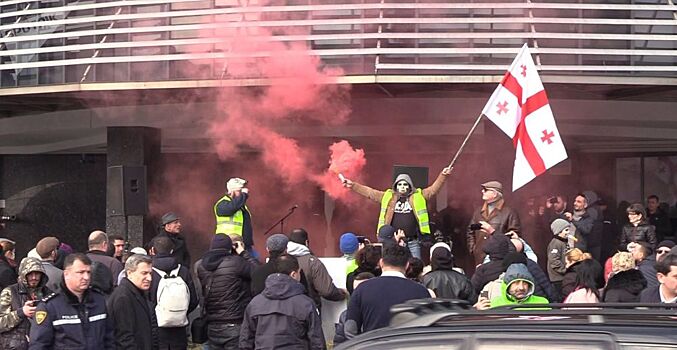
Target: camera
{"x":475,"y":227}
{"x":7,"y":218}
{"x":552,"y":200}
{"x":363,"y":240}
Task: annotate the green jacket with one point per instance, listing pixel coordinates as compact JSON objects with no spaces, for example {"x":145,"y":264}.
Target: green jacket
{"x":506,"y":299}
{"x":514,"y":273}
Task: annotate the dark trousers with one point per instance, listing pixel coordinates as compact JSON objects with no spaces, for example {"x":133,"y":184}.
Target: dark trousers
{"x":224,"y":336}
{"x":172,"y":338}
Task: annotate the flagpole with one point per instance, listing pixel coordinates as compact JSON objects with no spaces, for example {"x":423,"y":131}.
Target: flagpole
{"x":458,"y":153}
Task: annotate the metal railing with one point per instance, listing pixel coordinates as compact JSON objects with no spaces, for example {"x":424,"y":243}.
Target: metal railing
{"x":62,"y":41}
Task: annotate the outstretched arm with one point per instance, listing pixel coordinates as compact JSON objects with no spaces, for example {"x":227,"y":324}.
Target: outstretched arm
{"x":366,"y":191}
{"x":432,"y":190}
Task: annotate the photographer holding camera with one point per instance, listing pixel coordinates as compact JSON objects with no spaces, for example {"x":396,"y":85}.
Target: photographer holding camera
{"x":225,"y":274}
{"x":493,"y":217}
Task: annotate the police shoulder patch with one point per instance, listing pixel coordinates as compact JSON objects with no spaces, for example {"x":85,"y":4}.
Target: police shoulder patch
{"x":47,"y":298}
{"x":40,"y":316}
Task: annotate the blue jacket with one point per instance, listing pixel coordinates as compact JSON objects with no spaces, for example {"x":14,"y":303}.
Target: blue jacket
{"x":61,"y":321}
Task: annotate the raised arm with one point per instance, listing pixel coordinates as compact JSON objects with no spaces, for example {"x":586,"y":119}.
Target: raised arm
{"x":432,"y":190}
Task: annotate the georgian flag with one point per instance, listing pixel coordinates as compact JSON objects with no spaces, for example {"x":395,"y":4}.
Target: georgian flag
{"x":520,"y":108}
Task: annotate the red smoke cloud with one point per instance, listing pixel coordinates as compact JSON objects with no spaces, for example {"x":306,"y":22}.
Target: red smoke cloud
{"x":343,"y":160}
{"x":297,"y":90}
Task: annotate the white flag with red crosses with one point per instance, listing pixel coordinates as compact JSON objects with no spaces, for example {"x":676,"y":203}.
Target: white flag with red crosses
{"x":520,"y":108}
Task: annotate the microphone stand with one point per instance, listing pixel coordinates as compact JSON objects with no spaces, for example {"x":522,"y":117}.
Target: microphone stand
{"x":281,"y":221}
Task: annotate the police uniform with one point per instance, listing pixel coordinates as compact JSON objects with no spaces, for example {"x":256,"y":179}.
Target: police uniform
{"x":61,"y":321}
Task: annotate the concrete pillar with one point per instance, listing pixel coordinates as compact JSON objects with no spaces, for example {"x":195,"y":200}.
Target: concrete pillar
{"x":130,"y":146}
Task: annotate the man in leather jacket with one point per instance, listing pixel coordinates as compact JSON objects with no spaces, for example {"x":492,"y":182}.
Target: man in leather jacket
{"x":494,"y":217}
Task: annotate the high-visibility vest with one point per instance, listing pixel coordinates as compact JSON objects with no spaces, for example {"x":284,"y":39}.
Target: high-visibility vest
{"x":229,"y":224}
{"x":420,"y":210}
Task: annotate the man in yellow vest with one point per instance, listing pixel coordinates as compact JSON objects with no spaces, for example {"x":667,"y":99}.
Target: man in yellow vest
{"x":403,"y":206}
{"x":232,"y":214}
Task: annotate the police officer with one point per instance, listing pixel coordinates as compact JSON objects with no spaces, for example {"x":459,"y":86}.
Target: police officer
{"x":232,"y":214}
{"x":75,"y":318}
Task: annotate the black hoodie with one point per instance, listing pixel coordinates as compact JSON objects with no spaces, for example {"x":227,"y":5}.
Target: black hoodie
{"x":282,"y":317}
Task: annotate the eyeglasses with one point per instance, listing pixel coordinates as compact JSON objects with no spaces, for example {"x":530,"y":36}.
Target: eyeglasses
{"x":633,"y":213}
{"x":663,"y":251}
{"x":484,"y":189}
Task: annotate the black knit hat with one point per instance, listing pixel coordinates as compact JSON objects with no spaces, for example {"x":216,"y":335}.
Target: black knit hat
{"x":221,"y":241}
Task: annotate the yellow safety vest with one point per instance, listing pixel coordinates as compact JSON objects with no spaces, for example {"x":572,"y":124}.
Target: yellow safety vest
{"x":229,"y":224}
{"x":420,"y":210}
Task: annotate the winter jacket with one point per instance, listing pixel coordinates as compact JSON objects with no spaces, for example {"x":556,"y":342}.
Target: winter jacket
{"x":640,"y":233}
{"x":180,"y":252}
{"x":54,"y":275}
{"x":517,"y":272}
{"x":376,"y":195}
{"x":113,"y":265}
{"x":569,"y":280}
{"x":282,"y":317}
{"x":650,"y":295}
{"x":581,"y":296}
{"x":450,"y":284}
{"x":648,"y":269}
{"x":502,"y":218}
{"x":62,"y":321}
{"x":497,"y":247}
{"x":318,"y":281}
{"x":556,"y":258}
{"x":14,"y":325}
{"x":8,"y":274}
{"x":259,"y":276}
{"x":624,"y":287}
{"x":661,"y":221}
{"x":230,"y":278}
{"x":172,"y":337}
{"x":542,"y":285}
{"x":585,"y":225}
{"x":134,"y":318}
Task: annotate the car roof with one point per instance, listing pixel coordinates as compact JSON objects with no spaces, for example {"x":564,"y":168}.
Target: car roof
{"x":428,"y":320}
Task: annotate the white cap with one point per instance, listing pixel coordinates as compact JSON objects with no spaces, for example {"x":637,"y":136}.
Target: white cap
{"x":138,"y":250}
{"x":235,"y":184}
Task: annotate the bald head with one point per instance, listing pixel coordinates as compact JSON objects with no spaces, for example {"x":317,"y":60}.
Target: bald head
{"x":98,"y":240}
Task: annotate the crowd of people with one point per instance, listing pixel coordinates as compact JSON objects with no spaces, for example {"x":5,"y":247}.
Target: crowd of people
{"x":111,"y":297}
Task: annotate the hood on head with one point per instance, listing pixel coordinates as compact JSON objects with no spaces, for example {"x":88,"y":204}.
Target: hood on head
{"x":518,"y":272}
{"x":497,"y":247}
{"x":280,"y":286}
{"x":296,"y":249}
{"x":29,"y":265}
{"x":441,"y":259}
{"x":403,"y":177}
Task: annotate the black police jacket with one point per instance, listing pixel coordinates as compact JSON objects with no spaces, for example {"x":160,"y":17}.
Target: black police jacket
{"x":61,"y":321}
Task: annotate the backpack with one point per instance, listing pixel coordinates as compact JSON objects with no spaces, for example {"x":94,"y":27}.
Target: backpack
{"x":173,"y":298}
